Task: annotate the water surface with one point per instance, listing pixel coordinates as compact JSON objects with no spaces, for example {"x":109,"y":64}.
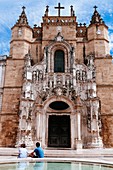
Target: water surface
{"x":53,"y":166}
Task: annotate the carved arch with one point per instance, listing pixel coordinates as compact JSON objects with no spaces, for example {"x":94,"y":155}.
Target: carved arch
{"x":63,"y":98}
{"x":52,"y":48}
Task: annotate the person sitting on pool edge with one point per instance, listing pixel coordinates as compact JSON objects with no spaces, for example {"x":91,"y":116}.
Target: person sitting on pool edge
{"x":23,"y":153}
{"x":38,"y":152}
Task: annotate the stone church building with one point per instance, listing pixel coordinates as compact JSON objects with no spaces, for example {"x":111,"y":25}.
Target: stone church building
{"x":57,"y":83}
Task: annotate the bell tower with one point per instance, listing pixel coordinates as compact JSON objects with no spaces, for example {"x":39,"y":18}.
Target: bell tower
{"x":21,"y":37}
{"x":19,"y":47}
{"x":97,"y":33}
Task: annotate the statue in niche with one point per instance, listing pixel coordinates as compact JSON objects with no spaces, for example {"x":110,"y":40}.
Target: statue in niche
{"x":28,"y":60}
{"x":73,"y":94}
{"x":88,"y":118}
{"x":29,"y":124}
{"x":84,"y":75}
{"x":34,"y":75}
{"x":71,"y":58}
{"x":77,"y":75}
{"x":37,"y":74}
{"x":44,"y":95}
{"x":93,"y":73}
{"x":40,"y":75}
{"x":23,"y":123}
{"x":81,"y":77}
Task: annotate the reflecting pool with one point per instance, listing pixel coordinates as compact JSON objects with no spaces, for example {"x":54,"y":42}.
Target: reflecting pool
{"x":53,"y":166}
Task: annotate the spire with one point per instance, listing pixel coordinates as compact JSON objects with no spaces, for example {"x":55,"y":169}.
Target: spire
{"x":22,"y":18}
{"x":96,"y":17}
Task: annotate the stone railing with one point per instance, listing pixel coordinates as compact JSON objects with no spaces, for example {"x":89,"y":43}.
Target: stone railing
{"x":63,"y":20}
{"x":53,"y":80}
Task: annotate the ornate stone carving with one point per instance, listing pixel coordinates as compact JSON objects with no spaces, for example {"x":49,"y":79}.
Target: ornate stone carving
{"x":59,"y":37}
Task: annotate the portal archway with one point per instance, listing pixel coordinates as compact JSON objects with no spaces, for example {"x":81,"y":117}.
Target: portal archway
{"x":64,"y":115}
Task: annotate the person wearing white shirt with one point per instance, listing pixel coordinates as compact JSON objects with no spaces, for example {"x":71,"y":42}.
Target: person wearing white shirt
{"x":23,"y":153}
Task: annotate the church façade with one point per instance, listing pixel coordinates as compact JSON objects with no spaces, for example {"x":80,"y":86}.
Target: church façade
{"x":57,"y":83}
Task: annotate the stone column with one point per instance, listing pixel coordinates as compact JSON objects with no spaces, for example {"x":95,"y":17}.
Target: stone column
{"x":78,"y":141}
{"x":54,"y":80}
{"x":44,"y":130}
{"x":49,"y":62}
{"x":79,"y":125}
{"x":73,"y":129}
{"x":63,"y":77}
{"x":74,"y":76}
{"x":38,"y":126}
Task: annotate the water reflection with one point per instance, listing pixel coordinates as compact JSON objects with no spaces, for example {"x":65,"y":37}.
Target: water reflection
{"x":53,"y":166}
{"x":22,"y":166}
{"x":39,"y":166}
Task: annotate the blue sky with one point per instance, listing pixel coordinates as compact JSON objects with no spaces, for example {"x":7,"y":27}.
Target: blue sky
{"x":11,"y":9}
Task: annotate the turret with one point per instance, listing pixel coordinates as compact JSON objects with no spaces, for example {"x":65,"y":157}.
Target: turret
{"x":21,"y":37}
{"x":97,"y":34}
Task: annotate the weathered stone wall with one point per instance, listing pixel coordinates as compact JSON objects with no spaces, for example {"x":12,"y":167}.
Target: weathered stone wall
{"x":9,"y":116}
{"x":104,"y":79}
{"x":11,"y":100}
{"x":14,"y":73}
{"x":8,"y":130}
{"x":107,"y":130}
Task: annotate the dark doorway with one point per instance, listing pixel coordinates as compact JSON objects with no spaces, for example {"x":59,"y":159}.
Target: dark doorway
{"x":59,"y":131}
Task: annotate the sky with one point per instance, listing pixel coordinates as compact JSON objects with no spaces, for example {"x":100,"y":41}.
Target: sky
{"x":35,"y":9}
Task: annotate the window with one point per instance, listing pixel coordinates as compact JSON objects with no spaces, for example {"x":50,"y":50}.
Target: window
{"x":59,"y":65}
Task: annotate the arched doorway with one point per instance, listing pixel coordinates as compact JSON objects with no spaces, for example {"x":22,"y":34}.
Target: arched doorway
{"x":59,"y":126}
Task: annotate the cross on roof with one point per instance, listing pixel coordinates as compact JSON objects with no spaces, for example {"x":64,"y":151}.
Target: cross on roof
{"x":23,"y":8}
{"x":59,"y":8}
{"x":95,"y":7}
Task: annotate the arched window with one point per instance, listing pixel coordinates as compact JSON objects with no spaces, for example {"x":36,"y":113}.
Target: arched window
{"x":59,"y":61}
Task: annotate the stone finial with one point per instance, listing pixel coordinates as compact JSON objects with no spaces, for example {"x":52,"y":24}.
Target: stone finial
{"x":72,"y":11}
{"x":96,"y":17}
{"x":47,"y":10}
{"x":22,"y":18}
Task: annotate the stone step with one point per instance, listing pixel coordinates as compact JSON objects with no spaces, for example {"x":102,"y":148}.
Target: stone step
{"x":78,"y":153}
{"x":56,"y":153}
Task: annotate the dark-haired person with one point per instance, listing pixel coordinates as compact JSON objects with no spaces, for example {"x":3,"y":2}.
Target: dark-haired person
{"x":23,"y":153}
{"x":38,"y":152}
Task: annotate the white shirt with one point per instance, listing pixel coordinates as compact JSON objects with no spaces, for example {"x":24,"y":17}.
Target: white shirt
{"x":23,"y":153}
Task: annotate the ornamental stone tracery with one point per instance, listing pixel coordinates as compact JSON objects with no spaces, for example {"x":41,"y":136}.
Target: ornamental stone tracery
{"x":77,"y":84}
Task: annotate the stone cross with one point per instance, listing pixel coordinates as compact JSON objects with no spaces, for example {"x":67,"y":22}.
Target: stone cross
{"x":59,"y":8}
{"x":95,"y":7}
